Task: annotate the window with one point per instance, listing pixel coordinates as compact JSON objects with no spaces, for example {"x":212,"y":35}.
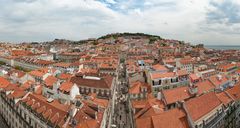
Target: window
{"x":160,"y":82}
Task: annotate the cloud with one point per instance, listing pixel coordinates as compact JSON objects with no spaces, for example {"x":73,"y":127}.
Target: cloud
{"x":189,"y":20}
{"x":225,"y":12}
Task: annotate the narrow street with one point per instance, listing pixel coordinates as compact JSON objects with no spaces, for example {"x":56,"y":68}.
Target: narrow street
{"x":121,"y":112}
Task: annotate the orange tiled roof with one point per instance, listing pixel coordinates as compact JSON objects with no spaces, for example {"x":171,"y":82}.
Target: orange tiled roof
{"x":50,"y":80}
{"x":216,"y":81}
{"x":66,"y":86}
{"x":88,"y":124}
{"x":234,"y":92}
{"x":62,"y":64}
{"x":107,"y":66}
{"x":227,"y":66}
{"x":20,"y":53}
{"x":159,"y":67}
{"x":64,"y":76}
{"x":17,"y":94}
{"x":49,"y":110}
{"x":19,"y":73}
{"x":162,"y":75}
{"x":175,"y":118}
{"x":37,"y":73}
{"x":202,"y":105}
{"x":11,"y":87}
{"x":204,"y":86}
{"x":224,"y":98}
{"x":27,"y":84}
{"x":186,"y":61}
{"x":101,"y":102}
{"x":144,"y":122}
{"x":3,"y":82}
{"x":104,"y":82}
{"x":137,"y":86}
{"x":182,"y":72}
{"x":176,"y":94}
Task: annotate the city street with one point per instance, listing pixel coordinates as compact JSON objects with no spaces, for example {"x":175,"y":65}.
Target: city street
{"x":120,"y":110}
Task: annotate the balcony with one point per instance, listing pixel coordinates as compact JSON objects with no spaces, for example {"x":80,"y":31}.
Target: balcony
{"x":216,"y":120}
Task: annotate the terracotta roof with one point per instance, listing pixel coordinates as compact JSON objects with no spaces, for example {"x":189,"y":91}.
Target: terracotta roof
{"x":137,"y":86}
{"x":37,"y":73}
{"x":227,"y":66}
{"x":46,"y":70}
{"x":50,"y":80}
{"x":159,"y":67}
{"x":104,"y":82}
{"x":81,"y":115}
{"x":224,"y":98}
{"x":234,"y":92}
{"x":216,"y":81}
{"x":186,"y":61}
{"x":174,"y":118}
{"x":182,"y":72}
{"x":88,"y":71}
{"x":17,"y":94}
{"x":153,"y":110}
{"x":107,"y":66}
{"x":194,"y":77}
{"x":162,"y":75}
{"x":64,"y":76}
{"x":176,"y":94}
{"x":171,"y":60}
{"x":101,"y":102}
{"x":62,"y":64}
{"x":66,"y":86}
{"x":48,"y":110}
{"x":139,"y":104}
{"x":11,"y":87}
{"x":27,"y":84}
{"x":3,"y":82}
{"x":88,"y":124}
{"x":19,"y":73}
{"x":21,"y":53}
{"x":202,"y":105}
{"x":204,"y":86}
{"x":144,"y":122}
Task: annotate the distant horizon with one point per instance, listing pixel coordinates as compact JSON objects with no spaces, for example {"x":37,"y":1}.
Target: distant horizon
{"x":221,"y":45}
{"x":49,"y":40}
{"x":206,"y":21}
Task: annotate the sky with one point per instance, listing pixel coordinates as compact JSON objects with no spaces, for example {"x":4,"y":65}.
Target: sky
{"x":212,"y":22}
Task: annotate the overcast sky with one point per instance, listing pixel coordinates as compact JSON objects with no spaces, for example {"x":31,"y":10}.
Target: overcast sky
{"x":196,"y":21}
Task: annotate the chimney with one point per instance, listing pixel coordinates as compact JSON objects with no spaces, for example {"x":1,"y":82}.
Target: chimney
{"x":159,"y":95}
{"x":219,"y":77}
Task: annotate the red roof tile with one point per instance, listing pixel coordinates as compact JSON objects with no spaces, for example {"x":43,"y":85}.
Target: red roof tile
{"x":176,"y":94}
{"x":159,"y":67}
{"x":3,"y":82}
{"x":66,"y":86}
{"x":218,"y":80}
{"x":137,"y":86}
{"x":162,"y":75}
{"x":234,"y":92}
{"x":174,"y":118}
{"x":224,"y":98}
{"x":200,"y":106}
{"x":104,"y":82}
{"x":50,"y":80}
{"x":204,"y":86}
